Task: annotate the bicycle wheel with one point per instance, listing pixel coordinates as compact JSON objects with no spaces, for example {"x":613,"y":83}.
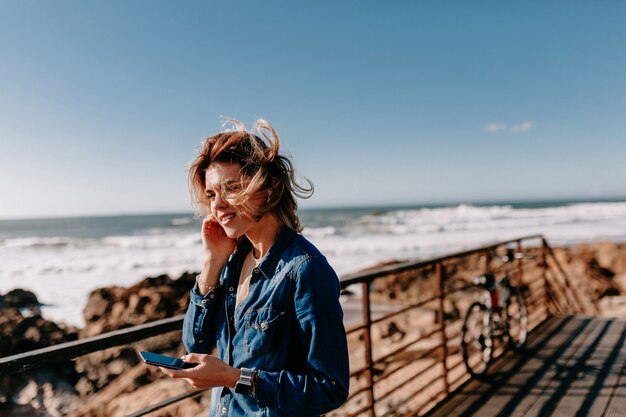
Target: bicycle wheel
{"x":516,"y":319}
{"x":476,"y":339}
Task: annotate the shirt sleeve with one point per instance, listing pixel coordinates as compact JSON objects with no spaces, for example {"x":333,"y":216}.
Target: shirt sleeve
{"x":324,"y":384}
{"x":199,"y":325}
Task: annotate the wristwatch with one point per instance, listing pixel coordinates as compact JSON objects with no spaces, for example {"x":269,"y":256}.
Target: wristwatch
{"x":246,"y":381}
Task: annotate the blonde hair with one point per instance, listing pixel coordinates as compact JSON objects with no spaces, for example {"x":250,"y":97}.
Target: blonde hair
{"x":263,"y":169}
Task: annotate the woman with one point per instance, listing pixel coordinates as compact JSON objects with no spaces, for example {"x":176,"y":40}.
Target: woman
{"x":266,"y":297}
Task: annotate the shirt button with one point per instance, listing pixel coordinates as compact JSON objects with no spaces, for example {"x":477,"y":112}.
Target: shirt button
{"x":211,"y":295}
{"x":224,"y":410}
{"x":201,"y":341}
{"x":231,"y":289}
{"x":204,"y":301}
{"x":256,"y":270}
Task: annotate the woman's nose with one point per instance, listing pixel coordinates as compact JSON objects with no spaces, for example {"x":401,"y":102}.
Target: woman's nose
{"x":219,"y":202}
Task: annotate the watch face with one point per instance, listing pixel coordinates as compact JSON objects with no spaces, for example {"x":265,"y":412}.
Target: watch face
{"x":242,"y":388}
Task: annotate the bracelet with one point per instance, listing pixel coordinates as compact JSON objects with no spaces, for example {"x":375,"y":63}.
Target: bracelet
{"x":206,"y":288}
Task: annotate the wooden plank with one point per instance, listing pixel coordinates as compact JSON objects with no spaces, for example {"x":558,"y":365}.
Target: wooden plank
{"x":596,"y":404}
{"x":527,"y":386}
{"x":580,"y":371}
{"x":587,"y":377}
{"x":541,"y":395}
{"x":474,"y":392}
{"x":504,"y":392}
{"x":617,"y":403}
{"x":458,"y":402}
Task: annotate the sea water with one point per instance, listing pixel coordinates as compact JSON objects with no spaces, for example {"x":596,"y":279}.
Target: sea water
{"x":62,"y":260}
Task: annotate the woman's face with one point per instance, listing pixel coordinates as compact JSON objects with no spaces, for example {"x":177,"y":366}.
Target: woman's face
{"x":226,"y":177}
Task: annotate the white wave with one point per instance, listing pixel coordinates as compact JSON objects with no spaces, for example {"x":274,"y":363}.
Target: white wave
{"x":41,"y":242}
{"x":153,"y":240}
{"x":182,"y":221}
{"x":466,"y":217}
{"x":319,"y":231}
{"x":71,"y":267}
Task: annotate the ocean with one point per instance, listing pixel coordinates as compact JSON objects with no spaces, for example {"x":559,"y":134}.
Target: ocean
{"x":62,"y":260}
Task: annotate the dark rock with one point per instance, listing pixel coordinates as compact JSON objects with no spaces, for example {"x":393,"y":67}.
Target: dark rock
{"x":51,"y":386}
{"x":21,"y":334}
{"x":106,"y":376}
{"x":394,"y":332}
{"x":19,"y":298}
{"x":594,"y":267}
{"x":150,"y":299}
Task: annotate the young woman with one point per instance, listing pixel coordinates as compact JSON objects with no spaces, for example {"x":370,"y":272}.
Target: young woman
{"x":266,"y":297}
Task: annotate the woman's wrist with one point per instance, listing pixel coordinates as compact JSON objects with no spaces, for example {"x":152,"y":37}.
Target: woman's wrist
{"x":232,"y":377}
{"x":208,"y":279}
{"x":204,"y":288}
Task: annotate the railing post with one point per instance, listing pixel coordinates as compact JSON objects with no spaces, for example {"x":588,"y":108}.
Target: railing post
{"x":520,"y":267}
{"x":441,"y":274}
{"x":546,"y":286}
{"x":367,"y":318}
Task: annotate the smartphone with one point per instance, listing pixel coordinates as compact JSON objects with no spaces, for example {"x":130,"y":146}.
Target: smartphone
{"x":165,"y":361}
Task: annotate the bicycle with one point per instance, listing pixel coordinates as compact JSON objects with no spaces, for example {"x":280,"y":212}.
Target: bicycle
{"x":501,"y":317}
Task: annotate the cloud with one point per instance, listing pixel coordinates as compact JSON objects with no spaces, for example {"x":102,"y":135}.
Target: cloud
{"x":503,"y":127}
{"x":494,"y":127}
{"x":523,"y":127}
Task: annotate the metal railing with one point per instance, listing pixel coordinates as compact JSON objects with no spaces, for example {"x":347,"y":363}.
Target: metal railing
{"x":414,"y":371}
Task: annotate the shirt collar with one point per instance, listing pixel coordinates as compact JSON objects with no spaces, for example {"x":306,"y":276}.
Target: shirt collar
{"x":267,"y":266}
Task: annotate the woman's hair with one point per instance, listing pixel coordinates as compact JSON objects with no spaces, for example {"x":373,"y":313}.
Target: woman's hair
{"x":264,"y":171}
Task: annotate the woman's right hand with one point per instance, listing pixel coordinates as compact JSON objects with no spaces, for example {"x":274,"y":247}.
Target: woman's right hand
{"x":217,"y":245}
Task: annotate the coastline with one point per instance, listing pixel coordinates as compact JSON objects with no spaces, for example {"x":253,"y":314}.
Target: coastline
{"x":75,"y":256}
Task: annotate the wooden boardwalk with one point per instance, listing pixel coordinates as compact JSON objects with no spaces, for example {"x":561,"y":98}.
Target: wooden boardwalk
{"x":574,"y":366}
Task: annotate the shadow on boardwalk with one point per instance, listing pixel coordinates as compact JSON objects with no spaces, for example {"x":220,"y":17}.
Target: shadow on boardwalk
{"x":574,"y":366}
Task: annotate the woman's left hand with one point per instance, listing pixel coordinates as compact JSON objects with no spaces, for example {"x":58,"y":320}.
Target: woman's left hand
{"x":209,"y":372}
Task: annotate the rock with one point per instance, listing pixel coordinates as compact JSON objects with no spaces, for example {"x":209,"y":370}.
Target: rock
{"x":109,"y":378}
{"x":15,"y":410}
{"x":394,"y":332}
{"x":25,"y":393}
{"x":21,"y":334}
{"x":28,"y":394}
{"x":19,"y":298}
{"x":105,"y":375}
{"x":100,"y":303}
{"x":150,"y":299}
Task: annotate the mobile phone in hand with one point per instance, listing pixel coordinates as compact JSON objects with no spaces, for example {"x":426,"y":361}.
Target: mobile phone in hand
{"x":165,"y":361}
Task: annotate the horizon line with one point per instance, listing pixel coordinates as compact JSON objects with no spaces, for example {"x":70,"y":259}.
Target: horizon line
{"x":431,"y":204}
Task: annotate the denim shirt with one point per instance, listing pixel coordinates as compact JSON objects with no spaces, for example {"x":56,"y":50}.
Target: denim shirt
{"x":289,"y":329}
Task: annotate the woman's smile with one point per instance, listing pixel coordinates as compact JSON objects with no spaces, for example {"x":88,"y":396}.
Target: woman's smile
{"x":224,"y":219}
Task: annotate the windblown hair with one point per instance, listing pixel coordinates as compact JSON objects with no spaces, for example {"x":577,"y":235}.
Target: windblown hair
{"x":265,"y":172}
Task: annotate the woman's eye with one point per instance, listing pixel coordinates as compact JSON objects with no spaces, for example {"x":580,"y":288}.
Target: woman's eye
{"x":230,"y":191}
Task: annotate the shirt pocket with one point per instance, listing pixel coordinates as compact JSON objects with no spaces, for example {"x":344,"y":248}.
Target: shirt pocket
{"x":263,"y":330}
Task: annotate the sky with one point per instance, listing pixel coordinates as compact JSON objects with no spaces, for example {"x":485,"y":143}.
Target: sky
{"x":102,"y":104}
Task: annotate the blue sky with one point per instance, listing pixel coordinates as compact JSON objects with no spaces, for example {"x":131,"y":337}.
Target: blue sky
{"x":379,"y":103}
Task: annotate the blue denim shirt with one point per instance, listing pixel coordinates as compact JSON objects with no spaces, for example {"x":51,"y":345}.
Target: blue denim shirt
{"x":289,"y":329}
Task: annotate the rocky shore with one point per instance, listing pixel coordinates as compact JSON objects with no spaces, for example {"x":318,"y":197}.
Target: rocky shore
{"x":105,"y":383}
{"x":114,"y":382}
